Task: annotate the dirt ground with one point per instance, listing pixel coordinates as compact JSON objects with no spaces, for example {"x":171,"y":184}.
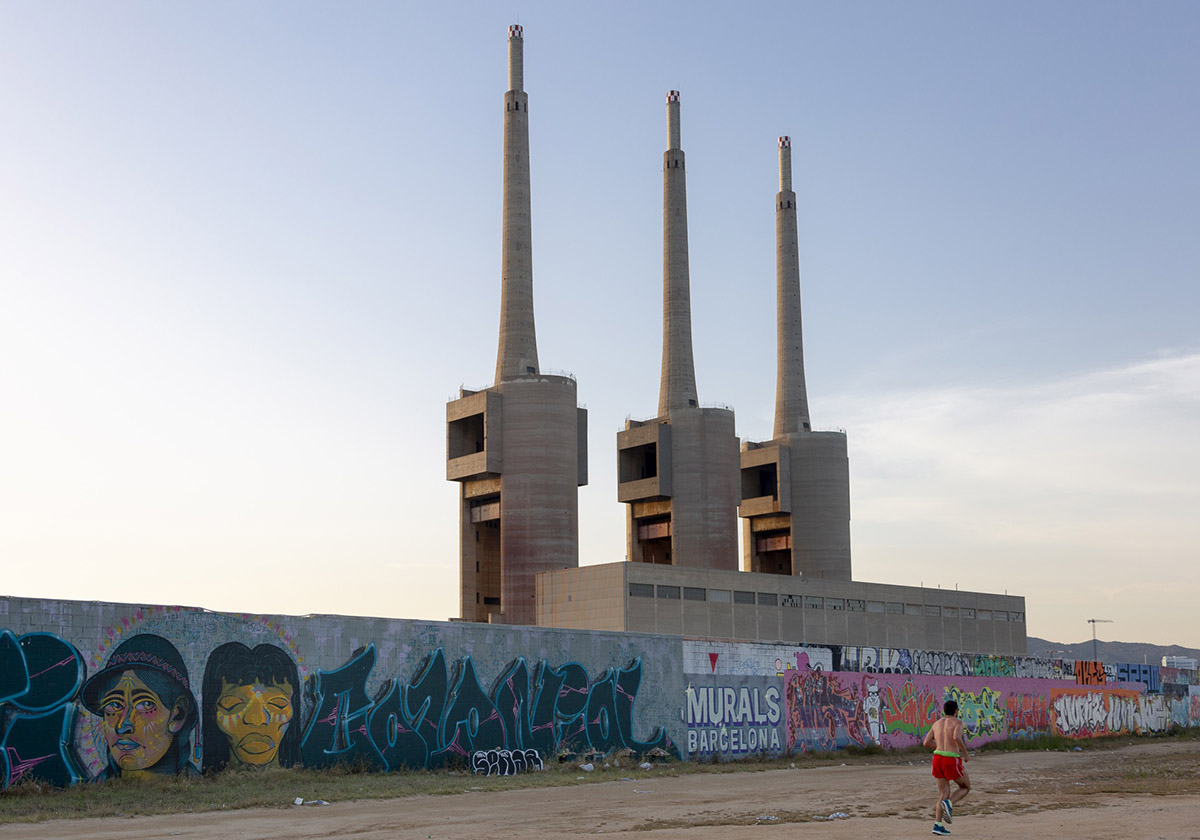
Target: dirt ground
{"x":1144,"y":791}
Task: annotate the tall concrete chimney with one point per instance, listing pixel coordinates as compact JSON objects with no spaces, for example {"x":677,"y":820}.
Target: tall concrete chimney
{"x":678,"y":473}
{"x":517,"y":355}
{"x":791,"y":396}
{"x":678,"y":386}
{"x":795,"y":501}
{"x":519,"y":448}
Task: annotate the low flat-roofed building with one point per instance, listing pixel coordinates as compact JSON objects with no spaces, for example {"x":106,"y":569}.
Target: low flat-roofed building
{"x":709,"y":603}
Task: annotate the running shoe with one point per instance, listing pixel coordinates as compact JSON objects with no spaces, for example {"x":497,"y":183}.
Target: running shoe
{"x":947,"y":811}
{"x":940,"y":829}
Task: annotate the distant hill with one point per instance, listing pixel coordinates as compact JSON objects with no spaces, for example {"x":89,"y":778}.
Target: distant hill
{"x":1134,"y":652}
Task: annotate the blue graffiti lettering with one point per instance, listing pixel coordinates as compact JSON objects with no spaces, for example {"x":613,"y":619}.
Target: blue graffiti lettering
{"x":430,"y":724}
{"x":40,"y":675}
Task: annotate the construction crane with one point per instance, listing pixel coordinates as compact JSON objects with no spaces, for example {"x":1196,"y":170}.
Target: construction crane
{"x":1094,"y":622}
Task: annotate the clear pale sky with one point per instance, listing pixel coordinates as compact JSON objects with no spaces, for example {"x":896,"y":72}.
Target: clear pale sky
{"x":249,"y":250}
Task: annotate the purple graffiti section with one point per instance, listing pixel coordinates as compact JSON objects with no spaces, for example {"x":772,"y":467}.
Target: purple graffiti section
{"x":823,"y":711}
{"x":837,"y":709}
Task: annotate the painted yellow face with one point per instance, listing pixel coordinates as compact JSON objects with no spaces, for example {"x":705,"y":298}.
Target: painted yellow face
{"x":138,"y":728}
{"x":254,"y":717}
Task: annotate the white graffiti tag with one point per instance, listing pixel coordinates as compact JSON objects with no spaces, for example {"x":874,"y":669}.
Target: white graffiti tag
{"x":505,"y":762}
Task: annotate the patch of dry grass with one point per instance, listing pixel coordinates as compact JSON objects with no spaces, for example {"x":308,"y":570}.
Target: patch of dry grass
{"x":1174,"y":769}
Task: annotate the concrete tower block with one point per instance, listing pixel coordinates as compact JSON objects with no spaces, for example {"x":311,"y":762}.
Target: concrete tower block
{"x":539,"y":528}
{"x":796,"y":487}
{"x":679,"y":472}
{"x":820,"y":494}
{"x":704,"y":468}
{"x":519,"y":448}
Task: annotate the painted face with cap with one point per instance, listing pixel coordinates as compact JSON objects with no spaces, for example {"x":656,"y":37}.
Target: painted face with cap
{"x":138,"y":728}
{"x":254,"y":718}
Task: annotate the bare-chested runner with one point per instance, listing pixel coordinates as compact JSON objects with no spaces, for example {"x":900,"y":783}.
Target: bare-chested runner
{"x":949,"y":753}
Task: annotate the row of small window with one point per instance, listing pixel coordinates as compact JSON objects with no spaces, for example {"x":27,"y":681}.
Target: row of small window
{"x":815,"y":602}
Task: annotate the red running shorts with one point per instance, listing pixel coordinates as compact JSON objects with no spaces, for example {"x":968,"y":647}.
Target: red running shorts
{"x":945,"y":767}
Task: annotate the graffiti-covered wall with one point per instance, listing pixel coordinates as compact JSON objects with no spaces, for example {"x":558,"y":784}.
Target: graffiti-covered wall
{"x":755,"y":698}
{"x":91,"y":691}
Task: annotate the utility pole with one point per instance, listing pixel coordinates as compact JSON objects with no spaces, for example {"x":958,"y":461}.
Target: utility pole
{"x":1094,"y":622}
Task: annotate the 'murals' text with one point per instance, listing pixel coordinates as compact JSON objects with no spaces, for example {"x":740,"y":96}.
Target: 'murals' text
{"x":733,"y":720}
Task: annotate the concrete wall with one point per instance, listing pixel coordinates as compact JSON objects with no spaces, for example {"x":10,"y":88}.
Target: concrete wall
{"x":98,"y":690}
{"x":384,"y":693}
{"x":748,"y":699}
{"x":592,"y":598}
{"x":825,"y":711}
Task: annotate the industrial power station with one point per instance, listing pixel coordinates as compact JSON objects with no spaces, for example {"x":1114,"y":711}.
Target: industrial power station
{"x":518,"y":450}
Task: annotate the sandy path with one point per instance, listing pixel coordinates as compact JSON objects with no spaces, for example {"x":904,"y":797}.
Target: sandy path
{"x":1147,"y":791}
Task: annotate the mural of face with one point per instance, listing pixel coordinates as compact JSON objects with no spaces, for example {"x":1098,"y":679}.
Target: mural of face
{"x":254,"y":718}
{"x":138,"y":728}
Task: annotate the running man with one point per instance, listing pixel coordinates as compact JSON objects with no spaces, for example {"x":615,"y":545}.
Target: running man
{"x":949,"y":753}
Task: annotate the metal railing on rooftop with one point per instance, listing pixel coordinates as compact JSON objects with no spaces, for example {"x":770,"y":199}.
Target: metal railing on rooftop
{"x":552,"y":372}
{"x":565,"y":374}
